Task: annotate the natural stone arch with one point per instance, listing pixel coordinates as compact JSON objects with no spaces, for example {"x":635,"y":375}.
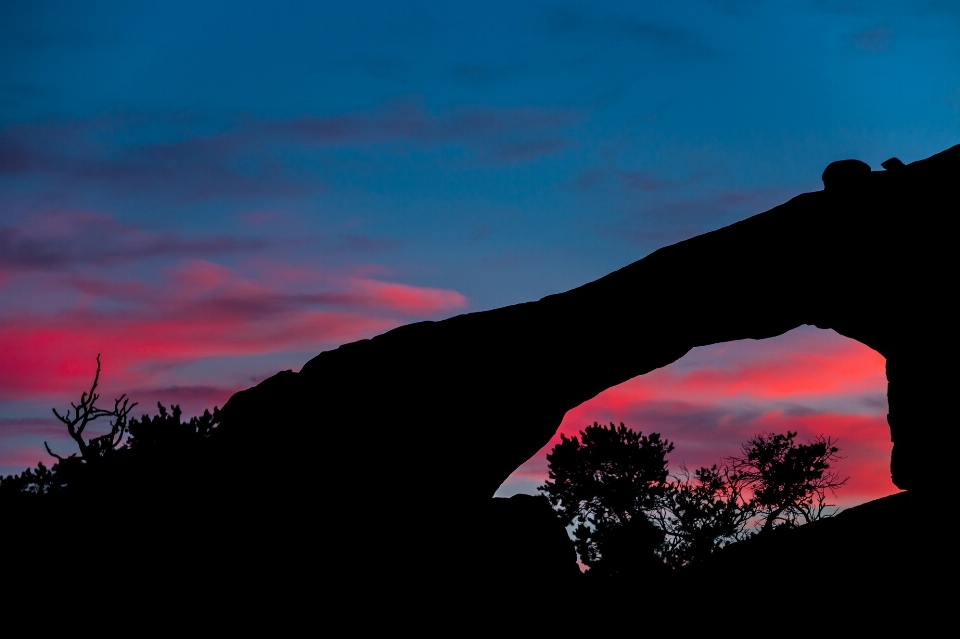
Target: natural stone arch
{"x":871,"y":257}
{"x":714,"y":398}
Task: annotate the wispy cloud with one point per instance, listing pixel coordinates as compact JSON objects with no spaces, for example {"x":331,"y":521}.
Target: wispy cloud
{"x":874,"y":40}
{"x":527,"y":150}
{"x":624,"y":179}
{"x":62,"y":241}
{"x":484,"y":74}
{"x":177,"y":159}
{"x":871,"y":8}
{"x":392,"y":68}
{"x":122,"y":153}
{"x":16,"y":427}
{"x":477,"y":126}
{"x":716,"y":398}
{"x":585,"y":21}
{"x":200,"y":310}
{"x":704,"y":436}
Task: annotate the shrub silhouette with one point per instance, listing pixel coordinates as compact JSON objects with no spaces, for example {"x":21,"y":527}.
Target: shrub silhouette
{"x":161,"y":440}
{"x":611,"y":485}
{"x":789,"y":481}
{"x":165,"y":431}
{"x":606,"y":482}
{"x":31,"y":483}
{"x":704,"y":511}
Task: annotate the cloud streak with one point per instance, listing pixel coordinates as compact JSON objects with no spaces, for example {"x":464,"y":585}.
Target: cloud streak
{"x":582,"y":21}
{"x":716,"y":398}
{"x":874,"y":40}
{"x":706,"y":435}
{"x":199,"y":310}
{"x":261,"y":158}
{"x":409,"y":120}
{"x":627,"y":180}
{"x":64,"y":241}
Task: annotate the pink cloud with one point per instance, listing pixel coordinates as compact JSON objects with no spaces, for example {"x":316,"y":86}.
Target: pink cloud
{"x":804,"y":364}
{"x":853,"y":368}
{"x":710,"y":402}
{"x":45,"y":354}
{"x":201,"y":310}
{"x":409,"y":300}
{"x":864,"y":443}
{"x":16,"y":460}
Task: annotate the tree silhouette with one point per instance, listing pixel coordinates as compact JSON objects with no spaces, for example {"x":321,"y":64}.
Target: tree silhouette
{"x":166,"y":433}
{"x":789,"y":481}
{"x":703,"y":513}
{"x":153,"y":446}
{"x":86,"y":412}
{"x":605,"y":482}
{"x":33,"y":482}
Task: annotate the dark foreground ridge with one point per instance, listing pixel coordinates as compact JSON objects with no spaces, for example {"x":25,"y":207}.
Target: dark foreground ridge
{"x":357,"y":443}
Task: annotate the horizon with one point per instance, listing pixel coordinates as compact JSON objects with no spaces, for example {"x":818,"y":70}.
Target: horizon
{"x":206,"y":197}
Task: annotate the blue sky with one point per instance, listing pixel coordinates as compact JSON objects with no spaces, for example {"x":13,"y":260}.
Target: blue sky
{"x":208,"y":192}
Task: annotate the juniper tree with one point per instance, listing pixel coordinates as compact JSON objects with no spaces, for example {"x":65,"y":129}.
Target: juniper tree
{"x":606,"y":482}
{"x":789,"y":482}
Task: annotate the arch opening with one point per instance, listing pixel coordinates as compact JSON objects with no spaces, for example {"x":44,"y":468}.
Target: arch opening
{"x":809,"y":380}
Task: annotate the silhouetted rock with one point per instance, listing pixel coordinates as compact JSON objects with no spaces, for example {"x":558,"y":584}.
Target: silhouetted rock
{"x":323,"y":472}
{"x":844,"y":174}
{"x":520,"y":541}
{"x":872,"y":260}
{"x":882,"y":555}
{"x":892,"y":164}
{"x":877,"y":566}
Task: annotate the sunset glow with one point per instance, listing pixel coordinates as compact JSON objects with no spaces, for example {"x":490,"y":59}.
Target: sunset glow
{"x":204,"y":207}
{"x":711,"y":401}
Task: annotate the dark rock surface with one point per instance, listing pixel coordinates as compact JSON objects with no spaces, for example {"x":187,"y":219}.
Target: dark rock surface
{"x":884,"y":561}
{"x":881,"y":566}
{"x":453,"y":407}
{"x":866,"y":543}
{"x":521,"y":542}
{"x":368,"y":476}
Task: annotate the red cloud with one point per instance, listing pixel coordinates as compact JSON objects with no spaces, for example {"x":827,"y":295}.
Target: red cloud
{"x":203,"y":310}
{"x":853,"y":368}
{"x":409,"y":300}
{"x":716,"y":398}
{"x":804,"y":364}
{"x":54,"y":353}
{"x":864,"y":443}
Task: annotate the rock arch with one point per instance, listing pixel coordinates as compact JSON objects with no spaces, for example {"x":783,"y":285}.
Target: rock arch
{"x":871,"y":256}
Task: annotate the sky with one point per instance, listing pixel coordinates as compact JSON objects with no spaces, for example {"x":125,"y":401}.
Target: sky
{"x":205,"y":193}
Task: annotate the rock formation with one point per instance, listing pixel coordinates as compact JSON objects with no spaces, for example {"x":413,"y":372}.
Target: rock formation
{"x":520,"y":541}
{"x":449,"y":409}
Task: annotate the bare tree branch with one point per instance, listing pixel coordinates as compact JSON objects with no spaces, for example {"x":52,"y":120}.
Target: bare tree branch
{"x":52,"y":454}
{"x":87,"y":411}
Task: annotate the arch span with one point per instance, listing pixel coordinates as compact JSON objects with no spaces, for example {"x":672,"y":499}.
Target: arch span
{"x":715,"y":398}
{"x":870,"y":256}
